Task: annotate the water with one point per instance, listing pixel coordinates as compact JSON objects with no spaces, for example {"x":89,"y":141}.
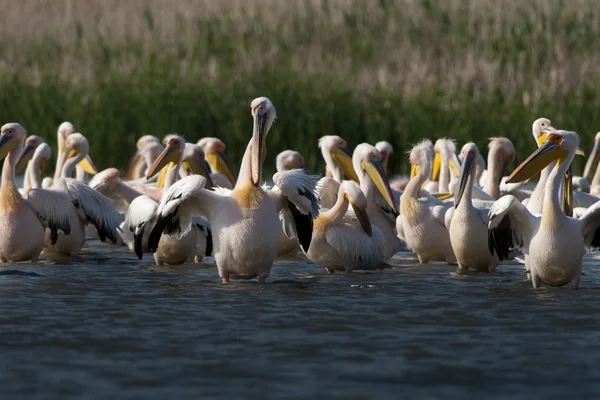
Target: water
{"x":110,"y":325}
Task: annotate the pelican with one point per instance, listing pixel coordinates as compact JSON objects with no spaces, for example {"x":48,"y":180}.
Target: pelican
{"x":192,"y":245}
{"x":501,"y":152}
{"x":139,"y":162}
{"x":244,"y":221}
{"x":288,"y":160}
{"x":467,"y":225}
{"x":338,"y":166}
{"x":214,"y":149}
{"x":346,"y":241}
{"x":553,"y":243}
{"x":422,"y":219}
{"x":445,"y":166}
{"x":591,"y":170}
{"x":382,"y":205}
{"x":386,"y":150}
{"x":108,"y":182}
{"x":23,"y":221}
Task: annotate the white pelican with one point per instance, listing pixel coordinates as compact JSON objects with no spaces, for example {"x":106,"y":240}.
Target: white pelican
{"x":139,"y":162}
{"x":445,"y":166}
{"x":591,"y":171}
{"x":467,"y":225}
{"x":382,"y":203}
{"x":553,"y":243}
{"x":108,"y":183}
{"x":346,"y":241}
{"x":23,"y":222}
{"x":244,"y":221}
{"x":288,"y":160}
{"x":214,"y":150}
{"x":501,"y":152}
{"x":422,"y":219}
{"x":140,"y":219}
{"x":386,"y":150}
{"x":338,"y":166}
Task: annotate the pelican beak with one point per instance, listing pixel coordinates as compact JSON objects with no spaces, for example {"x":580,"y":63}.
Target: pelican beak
{"x":343,"y":157}
{"x":26,"y":155}
{"x":88,"y":165}
{"x":414,"y":170}
{"x":568,"y":192}
{"x":363,"y":219}
{"x":385,"y":163}
{"x":259,"y":150}
{"x":442,"y":196}
{"x":375,"y":171}
{"x":580,"y":152}
{"x":219,"y":164}
{"x":540,"y":158}
{"x":437,"y":166}
{"x":454,"y":165}
{"x":198,"y":166}
{"x":134,"y":165}
{"x":7,"y":144}
{"x":467,"y":168}
{"x":170,"y":155}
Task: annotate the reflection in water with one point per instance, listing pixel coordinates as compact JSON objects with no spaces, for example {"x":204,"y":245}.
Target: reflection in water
{"x":111,"y":325}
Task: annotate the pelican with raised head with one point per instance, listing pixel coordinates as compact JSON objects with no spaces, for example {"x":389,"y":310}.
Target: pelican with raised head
{"x":244,"y":221}
{"x":422,"y":219}
{"x":553,"y":243}
{"x":347,"y":241}
{"x":467,"y":225}
{"x":23,"y":221}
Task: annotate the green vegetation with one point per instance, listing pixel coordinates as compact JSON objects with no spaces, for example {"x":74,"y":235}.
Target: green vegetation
{"x":365,"y":70}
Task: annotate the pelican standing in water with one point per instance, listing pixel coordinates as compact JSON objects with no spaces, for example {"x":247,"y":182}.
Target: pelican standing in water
{"x":346,"y":241}
{"x":553,"y":243}
{"x":422,"y":219}
{"x":467,"y":225}
{"x":23,"y":222}
{"x":244,"y":221}
{"x":140,"y":219}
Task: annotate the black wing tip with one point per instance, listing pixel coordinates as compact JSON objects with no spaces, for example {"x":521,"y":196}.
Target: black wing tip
{"x":304,"y":226}
{"x":209,"y":243}
{"x":137,"y":242}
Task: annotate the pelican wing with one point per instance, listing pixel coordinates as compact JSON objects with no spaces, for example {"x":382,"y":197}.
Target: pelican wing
{"x":140,"y":214}
{"x":185,"y":199}
{"x":582,"y":199}
{"x":448,"y":217}
{"x":203,"y":228}
{"x":511,"y":226}
{"x":52,"y":208}
{"x":326,"y":191}
{"x":351,"y":242}
{"x":297,"y":204}
{"x":94,"y":207}
{"x":384,"y":206}
{"x":590,"y":222}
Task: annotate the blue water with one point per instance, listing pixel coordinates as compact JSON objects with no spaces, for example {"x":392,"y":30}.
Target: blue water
{"x":109,"y":325}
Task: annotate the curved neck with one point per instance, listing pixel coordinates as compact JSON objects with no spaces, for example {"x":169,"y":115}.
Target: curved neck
{"x":172,"y":174}
{"x":27,"y":180}
{"x":467,"y":199}
{"x":413,"y":188}
{"x":60,"y":158}
{"x":334,"y":168}
{"x":80,"y":174}
{"x":367,"y":186}
{"x":596,"y":178}
{"x":494,"y":175}
{"x":245,"y":173}
{"x":536,"y":201}
{"x":10,"y":162}
{"x":33,"y":172}
{"x":69,"y":165}
{"x":339,"y":209}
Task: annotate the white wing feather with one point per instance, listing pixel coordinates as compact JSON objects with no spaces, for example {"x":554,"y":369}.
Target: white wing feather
{"x":52,"y":207}
{"x":299,"y":188}
{"x":590,"y":222}
{"x":511,"y":224}
{"x":353,"y":244}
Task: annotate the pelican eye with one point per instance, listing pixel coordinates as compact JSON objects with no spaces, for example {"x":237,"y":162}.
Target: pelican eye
{"x":556,"y":139}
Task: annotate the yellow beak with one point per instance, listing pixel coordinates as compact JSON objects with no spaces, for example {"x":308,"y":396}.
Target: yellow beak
{"x":199,"y":167}
{"x":375,"y":171}
{"x":437,"y":166}
{"x":414,"y":170}
{"x":169,"y":156}
{"x":568,"y":193}
{"x":218,"y":163}
{"x":537,"y":161}
{"x":343,"y":158}
{"x":88,"y":165}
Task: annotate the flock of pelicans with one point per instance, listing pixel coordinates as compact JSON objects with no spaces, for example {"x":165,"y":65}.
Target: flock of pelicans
{"x":181,"y":202}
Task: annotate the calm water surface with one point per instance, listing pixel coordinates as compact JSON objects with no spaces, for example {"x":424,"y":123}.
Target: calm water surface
{"x":111,"y":325}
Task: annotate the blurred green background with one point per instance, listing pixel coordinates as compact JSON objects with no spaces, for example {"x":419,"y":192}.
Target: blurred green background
{"x":365,"y":70}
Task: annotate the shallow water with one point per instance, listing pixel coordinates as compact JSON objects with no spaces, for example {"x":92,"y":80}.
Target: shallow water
{"x":110,"y":325}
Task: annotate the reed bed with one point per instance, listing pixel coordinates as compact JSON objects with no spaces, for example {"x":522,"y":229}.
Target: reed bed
{"x":366,"y":70}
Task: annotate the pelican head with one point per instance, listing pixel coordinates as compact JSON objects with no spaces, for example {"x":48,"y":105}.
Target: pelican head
{"x":386,"y":150}
{"x":502,"y":153}
{"x":43,"y":153}
{"x":289,"y":159}
{"x":367,"y":162}
{"x":11,"y":135}
{"x":559,"y":145}
{"x":31,"y":144}
{"x":420,"y":158}
{"x":103,"y":180}
{"x":335,"y":150}
{"x":264,"y":114}
{"x":65,"y":130}
{"x":359,"y":204}
{"x":194,"y":162}
{"x":592,"y":163}
{"x":469,"y":155}
{"x":76,"y":145}
{"x":214,"y":151}
{"x":138,"y":157}
{"x":540,"y":128}
{"x":170,"y":156}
